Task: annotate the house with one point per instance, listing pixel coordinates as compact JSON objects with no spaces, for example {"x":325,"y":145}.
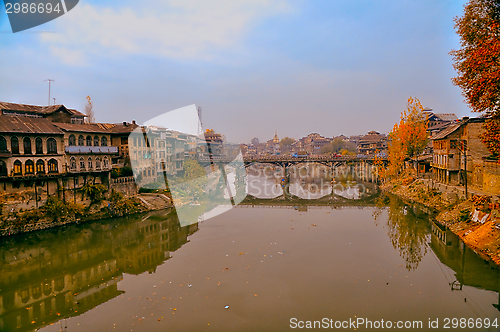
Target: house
{"x":372,"y":143}
{"x":449,"y":147}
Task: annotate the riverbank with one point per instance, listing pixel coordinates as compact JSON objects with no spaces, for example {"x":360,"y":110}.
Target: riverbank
{"x":475,"y":220}
{"x":56,"y":213}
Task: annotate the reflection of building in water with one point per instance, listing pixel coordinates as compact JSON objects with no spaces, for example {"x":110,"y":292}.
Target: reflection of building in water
{"x":49,"y":276}
{"x":470,"y":269}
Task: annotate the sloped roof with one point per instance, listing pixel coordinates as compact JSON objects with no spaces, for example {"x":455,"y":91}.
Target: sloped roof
{"x":122,"y":129}
{"x":27,"y":125}
{"x":446,"y":116}
{"x":447,"y":131}
{"x":34,"y":109}
{"x":87,"y":128}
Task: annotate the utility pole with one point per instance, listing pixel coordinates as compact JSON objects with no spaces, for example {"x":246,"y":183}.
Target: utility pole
{"x":49,"y":80}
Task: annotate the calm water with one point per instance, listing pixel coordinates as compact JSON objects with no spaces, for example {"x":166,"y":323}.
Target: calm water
{"x":253,"y":268}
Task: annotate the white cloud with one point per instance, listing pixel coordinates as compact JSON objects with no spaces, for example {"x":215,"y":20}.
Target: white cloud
{"x":175,"y":28}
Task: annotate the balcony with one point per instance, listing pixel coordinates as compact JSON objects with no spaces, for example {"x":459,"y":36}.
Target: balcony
{"x":91,"y":149}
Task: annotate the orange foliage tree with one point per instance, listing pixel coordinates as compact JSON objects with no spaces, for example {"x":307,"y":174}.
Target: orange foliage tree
{"x":408,"y":138}
{"x":477,"y":63}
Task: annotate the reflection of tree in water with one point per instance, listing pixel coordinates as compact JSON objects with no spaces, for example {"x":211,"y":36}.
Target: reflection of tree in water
{"x":406,"y":230}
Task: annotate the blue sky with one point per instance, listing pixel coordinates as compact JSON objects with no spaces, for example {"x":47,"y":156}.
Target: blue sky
{"x":333,"y":67}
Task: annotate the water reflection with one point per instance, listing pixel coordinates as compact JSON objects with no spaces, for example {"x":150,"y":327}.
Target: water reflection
{"x":407,"y":227}
{"x":65,"y":272}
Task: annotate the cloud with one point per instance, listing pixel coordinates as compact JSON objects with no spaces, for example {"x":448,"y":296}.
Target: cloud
{"x":176,"y":29}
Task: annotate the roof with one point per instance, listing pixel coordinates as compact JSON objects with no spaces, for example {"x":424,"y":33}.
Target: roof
{"x":447,"y":131}
{"x":27,"y":125}
{"x":372,"y":137}
{"x":34,"y":109}
{"x":122,"y":129}
{"x":446,"y":116}
{"x":439,"y":126}
{"x":87,"y":128}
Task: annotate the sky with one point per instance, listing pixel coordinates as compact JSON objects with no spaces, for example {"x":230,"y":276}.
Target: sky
{"x":254,"y":67}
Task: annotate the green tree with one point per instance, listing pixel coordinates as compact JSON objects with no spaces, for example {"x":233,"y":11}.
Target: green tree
{"x":337,"y":145}
{"x":285,"y":144}
{"x":95,"y":192}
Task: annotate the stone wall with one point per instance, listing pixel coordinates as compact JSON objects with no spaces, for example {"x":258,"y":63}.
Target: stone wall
{"x":125,"y":185}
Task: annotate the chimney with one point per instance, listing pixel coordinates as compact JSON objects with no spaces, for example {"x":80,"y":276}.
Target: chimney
{"x":133,"y":122}
{"x":125,"y":123}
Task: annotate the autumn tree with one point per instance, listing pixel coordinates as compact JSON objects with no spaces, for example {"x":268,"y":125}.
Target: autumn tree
{"x":477,"y":63}
{"x":408,"y":138}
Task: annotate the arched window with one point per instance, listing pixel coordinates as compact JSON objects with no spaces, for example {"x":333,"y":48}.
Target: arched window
{"x":80,"y":140}
{"x":89,"y":141}
{"x":3,"y":144}
{"x":38,"y":145}
{"x":105,"y":163}
{"x":29,"y":167}
{"x":89,"y":162}
{"x":72,"y":164}
{"x":51,"y":145}
{"x":3,"y":168}
{"x":96,"y":141}
{"x":82,"y":164}
{"x":104,"y":141}
{"x":72,"y":140}
{"x":27,"y":145}
{"x":40,"y":166}
{"x":17,"y":167}
{"x":98,"y":163}
{"x":14,"y":142}
{"x":52,"y":165}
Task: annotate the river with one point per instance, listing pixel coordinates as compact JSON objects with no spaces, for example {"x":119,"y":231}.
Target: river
{"x":266,"y":265}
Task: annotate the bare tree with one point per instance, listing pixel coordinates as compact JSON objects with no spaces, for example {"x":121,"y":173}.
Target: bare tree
{"x":89,"y":111}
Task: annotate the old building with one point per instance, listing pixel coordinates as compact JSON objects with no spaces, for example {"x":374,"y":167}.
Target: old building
{"x":451,"y":145}
{"x":31,"y":153}
{"x":372,"y":143}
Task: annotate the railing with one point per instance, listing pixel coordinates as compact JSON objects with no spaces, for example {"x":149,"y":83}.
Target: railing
{"x":92,"y":149}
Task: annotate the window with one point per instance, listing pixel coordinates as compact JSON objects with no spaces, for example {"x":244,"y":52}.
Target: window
{"x":51,"y":145}
{"x":72,"y":140}
{"x":29,"y":167}
{"x":72,"y":164}
{"x":17,"y":167}
{"x":96,"y":141}
{"x":104,"y":141}
{"x":89,"y":162}
{"x":80,"y":140}
{"x":82,"y":164}
{"x":14,"y":142}
{"x":88,"y":141}
{"x":38,"y":145}
{"x":52,"y":164}
{"x":3,"y":168}
{"x":40,"y":166}
{"x":105,"y":163}
{"x":3,"y":144}
{"x":27,"y":145}
{"x":98,"y":163}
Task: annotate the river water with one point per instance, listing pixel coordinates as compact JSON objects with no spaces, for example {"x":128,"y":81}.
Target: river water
{"x":268,"y":265}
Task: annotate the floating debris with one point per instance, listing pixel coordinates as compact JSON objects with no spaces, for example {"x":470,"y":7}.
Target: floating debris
{"x":226,"y":307}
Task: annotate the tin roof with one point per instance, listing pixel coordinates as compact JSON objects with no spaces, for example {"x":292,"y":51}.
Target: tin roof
{"x":447,"y":131}
{"x":27,"y":125}
{"x":41,"y":110}
{"x":87,"y":128}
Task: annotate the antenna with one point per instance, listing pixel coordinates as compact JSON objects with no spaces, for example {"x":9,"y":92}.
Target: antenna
{"x":49,"y":80}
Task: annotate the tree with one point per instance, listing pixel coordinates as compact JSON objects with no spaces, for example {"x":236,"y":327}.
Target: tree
{"x":337,"y":145}
{"x":408,"y":138}
{"x":89,"y":111}
{"x":491,"y":136}
{"x":286,"y":143}
{"x":477,"y":62}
